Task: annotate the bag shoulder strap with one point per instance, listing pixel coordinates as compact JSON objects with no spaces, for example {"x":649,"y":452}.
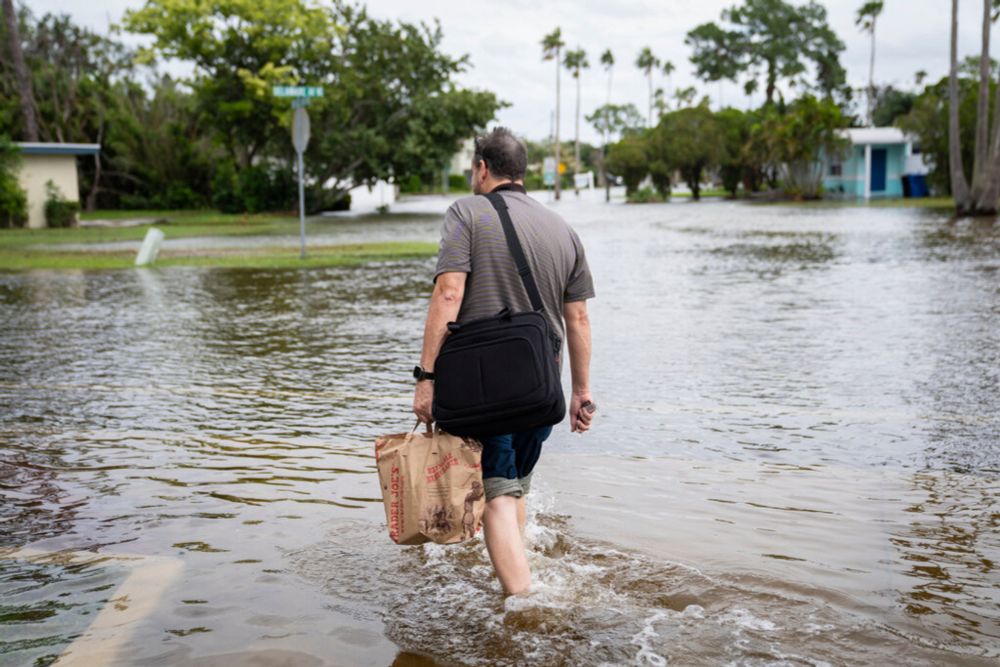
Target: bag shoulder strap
{"x":516,"y":251}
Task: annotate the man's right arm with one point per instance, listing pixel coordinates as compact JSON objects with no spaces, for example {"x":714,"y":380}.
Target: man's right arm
{"x":578,"y":341}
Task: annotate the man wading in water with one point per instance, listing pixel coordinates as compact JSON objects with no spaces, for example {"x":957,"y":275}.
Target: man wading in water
{"x":476,"y":278}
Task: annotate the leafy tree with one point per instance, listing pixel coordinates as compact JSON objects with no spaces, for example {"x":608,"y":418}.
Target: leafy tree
{"x":772,"y":36}
{"x":159,"y":150}
{"x":575,"y":61}
{"x":13,"y":200}
{"x":866,"y":17}
{"x":927,"y":120}
{"x":552,"y":45}
{"x":75,"y":72}
{"x":890,"y":104}
{"x":800,"y":138}
{"x":71,"y":73}
{"x":628,"y":159}
{"x":25,"y":92}
{"x":612,"y":120}
{"x":982,"y":197}
{"x":690,"y":141}
{"x":608,"y":62}
{"x":647,"y":62}
{"x":668,"y":70}
{"x":733,"y":165}
{"x":685,"y":96}
{"x":239,"y":49}
{"x":390,"y":107}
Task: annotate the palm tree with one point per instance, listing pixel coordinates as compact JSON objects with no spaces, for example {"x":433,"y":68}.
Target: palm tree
{"x":920,"y":76}
{"x":866,"y":16}
{"x":959,"y":186}
{"x":608,"y":61}
{"x":660,"y":102}
{"x":750,"y":87}
{"x":981,"y":154}
{"x":21,"y":73}
{"x":668,"y":69}
{"x":647,"y":62}
{"x":551,"y":46}
{"x":574,"y":62}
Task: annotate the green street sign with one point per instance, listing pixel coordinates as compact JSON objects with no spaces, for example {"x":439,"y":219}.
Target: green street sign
{"x":297,"y":91}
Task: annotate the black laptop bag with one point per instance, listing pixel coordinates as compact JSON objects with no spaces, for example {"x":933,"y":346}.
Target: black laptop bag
{"x":500,"y":374}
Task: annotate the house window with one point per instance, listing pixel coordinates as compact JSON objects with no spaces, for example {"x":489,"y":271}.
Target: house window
{"x":836,"y":169}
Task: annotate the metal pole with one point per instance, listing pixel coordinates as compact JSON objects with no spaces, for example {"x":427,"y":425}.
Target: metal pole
{"x":302,"y":211}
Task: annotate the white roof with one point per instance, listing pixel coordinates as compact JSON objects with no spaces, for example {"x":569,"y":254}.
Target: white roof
{"x":875,"y":135}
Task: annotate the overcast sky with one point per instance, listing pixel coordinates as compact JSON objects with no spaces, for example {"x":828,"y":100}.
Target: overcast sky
{"x":503,"y":38}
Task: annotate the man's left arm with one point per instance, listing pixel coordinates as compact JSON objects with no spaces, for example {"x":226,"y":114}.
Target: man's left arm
{"x":446,"y":301}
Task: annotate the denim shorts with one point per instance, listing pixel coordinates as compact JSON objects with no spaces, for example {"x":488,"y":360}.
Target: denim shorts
{"x":508,"y":461}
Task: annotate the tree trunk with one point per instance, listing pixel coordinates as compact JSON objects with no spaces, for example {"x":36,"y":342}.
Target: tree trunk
{"x":979,"y":165}
{"x":576,"y":169}
{"x":989,"y":194}
{"x":771,"y":78}
{"x":604,"y":169}
{"x":871,"y":79}
{"x":558,"y":189}
{"x":649,"y":78}
{"x":95,"y":187}
{"x":959,"y":186}
{"x":21,"y":73}
{"x":991,"y":178}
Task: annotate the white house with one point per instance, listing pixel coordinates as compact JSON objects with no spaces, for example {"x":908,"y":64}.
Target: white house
{"x":44,"y":162}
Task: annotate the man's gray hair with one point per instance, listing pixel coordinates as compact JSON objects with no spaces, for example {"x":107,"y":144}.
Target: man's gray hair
{"x":504,"y":154}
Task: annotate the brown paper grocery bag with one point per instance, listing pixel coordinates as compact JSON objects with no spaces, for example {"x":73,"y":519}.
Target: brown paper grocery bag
{"x":432,"y":486}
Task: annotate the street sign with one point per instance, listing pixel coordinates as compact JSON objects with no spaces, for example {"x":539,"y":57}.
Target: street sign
{"x":300,"y":130}
{"x":300,"y":139}
{"x":297,"y":91}
{"x":549,"y":171}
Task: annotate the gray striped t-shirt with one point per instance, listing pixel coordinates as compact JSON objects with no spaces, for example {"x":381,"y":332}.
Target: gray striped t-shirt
{"x":473,"y":242}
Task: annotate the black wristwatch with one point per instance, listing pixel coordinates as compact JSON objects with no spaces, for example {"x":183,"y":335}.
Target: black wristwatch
{"x":420,"y":374}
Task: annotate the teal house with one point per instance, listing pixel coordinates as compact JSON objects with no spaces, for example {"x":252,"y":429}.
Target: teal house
{"x":876,"y":164}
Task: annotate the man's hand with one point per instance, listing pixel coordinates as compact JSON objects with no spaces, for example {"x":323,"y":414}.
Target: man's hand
{"x":423,"y":397}
{"x":578,"y":340}
{"x":579,"y":416}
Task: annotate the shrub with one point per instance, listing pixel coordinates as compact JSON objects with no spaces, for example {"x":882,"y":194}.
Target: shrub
{"x":13,"y":200}
{"x":13,"y":203}
{"x":178,"y":196}
{"x":59,"y":211}
{"x":645,"y":196}
{"x":411,"y":185}
{"x":458,"y":182}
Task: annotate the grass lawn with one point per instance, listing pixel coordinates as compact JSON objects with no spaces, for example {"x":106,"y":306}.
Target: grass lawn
{"x":257,"y":258}
{"x":19,"y":248}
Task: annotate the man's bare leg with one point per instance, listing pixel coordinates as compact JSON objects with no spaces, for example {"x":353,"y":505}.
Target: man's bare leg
{"x":521,"y":516}
{"x":503,"y":541}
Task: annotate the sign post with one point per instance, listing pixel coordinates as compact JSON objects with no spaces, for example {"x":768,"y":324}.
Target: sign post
{"x":300,"y":140}
{"x":549,"y":173}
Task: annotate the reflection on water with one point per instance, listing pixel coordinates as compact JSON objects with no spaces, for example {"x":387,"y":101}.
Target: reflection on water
{"x":796,"y":461}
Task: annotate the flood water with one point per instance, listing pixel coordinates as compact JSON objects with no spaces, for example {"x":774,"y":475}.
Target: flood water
{"x":796,"y":459}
